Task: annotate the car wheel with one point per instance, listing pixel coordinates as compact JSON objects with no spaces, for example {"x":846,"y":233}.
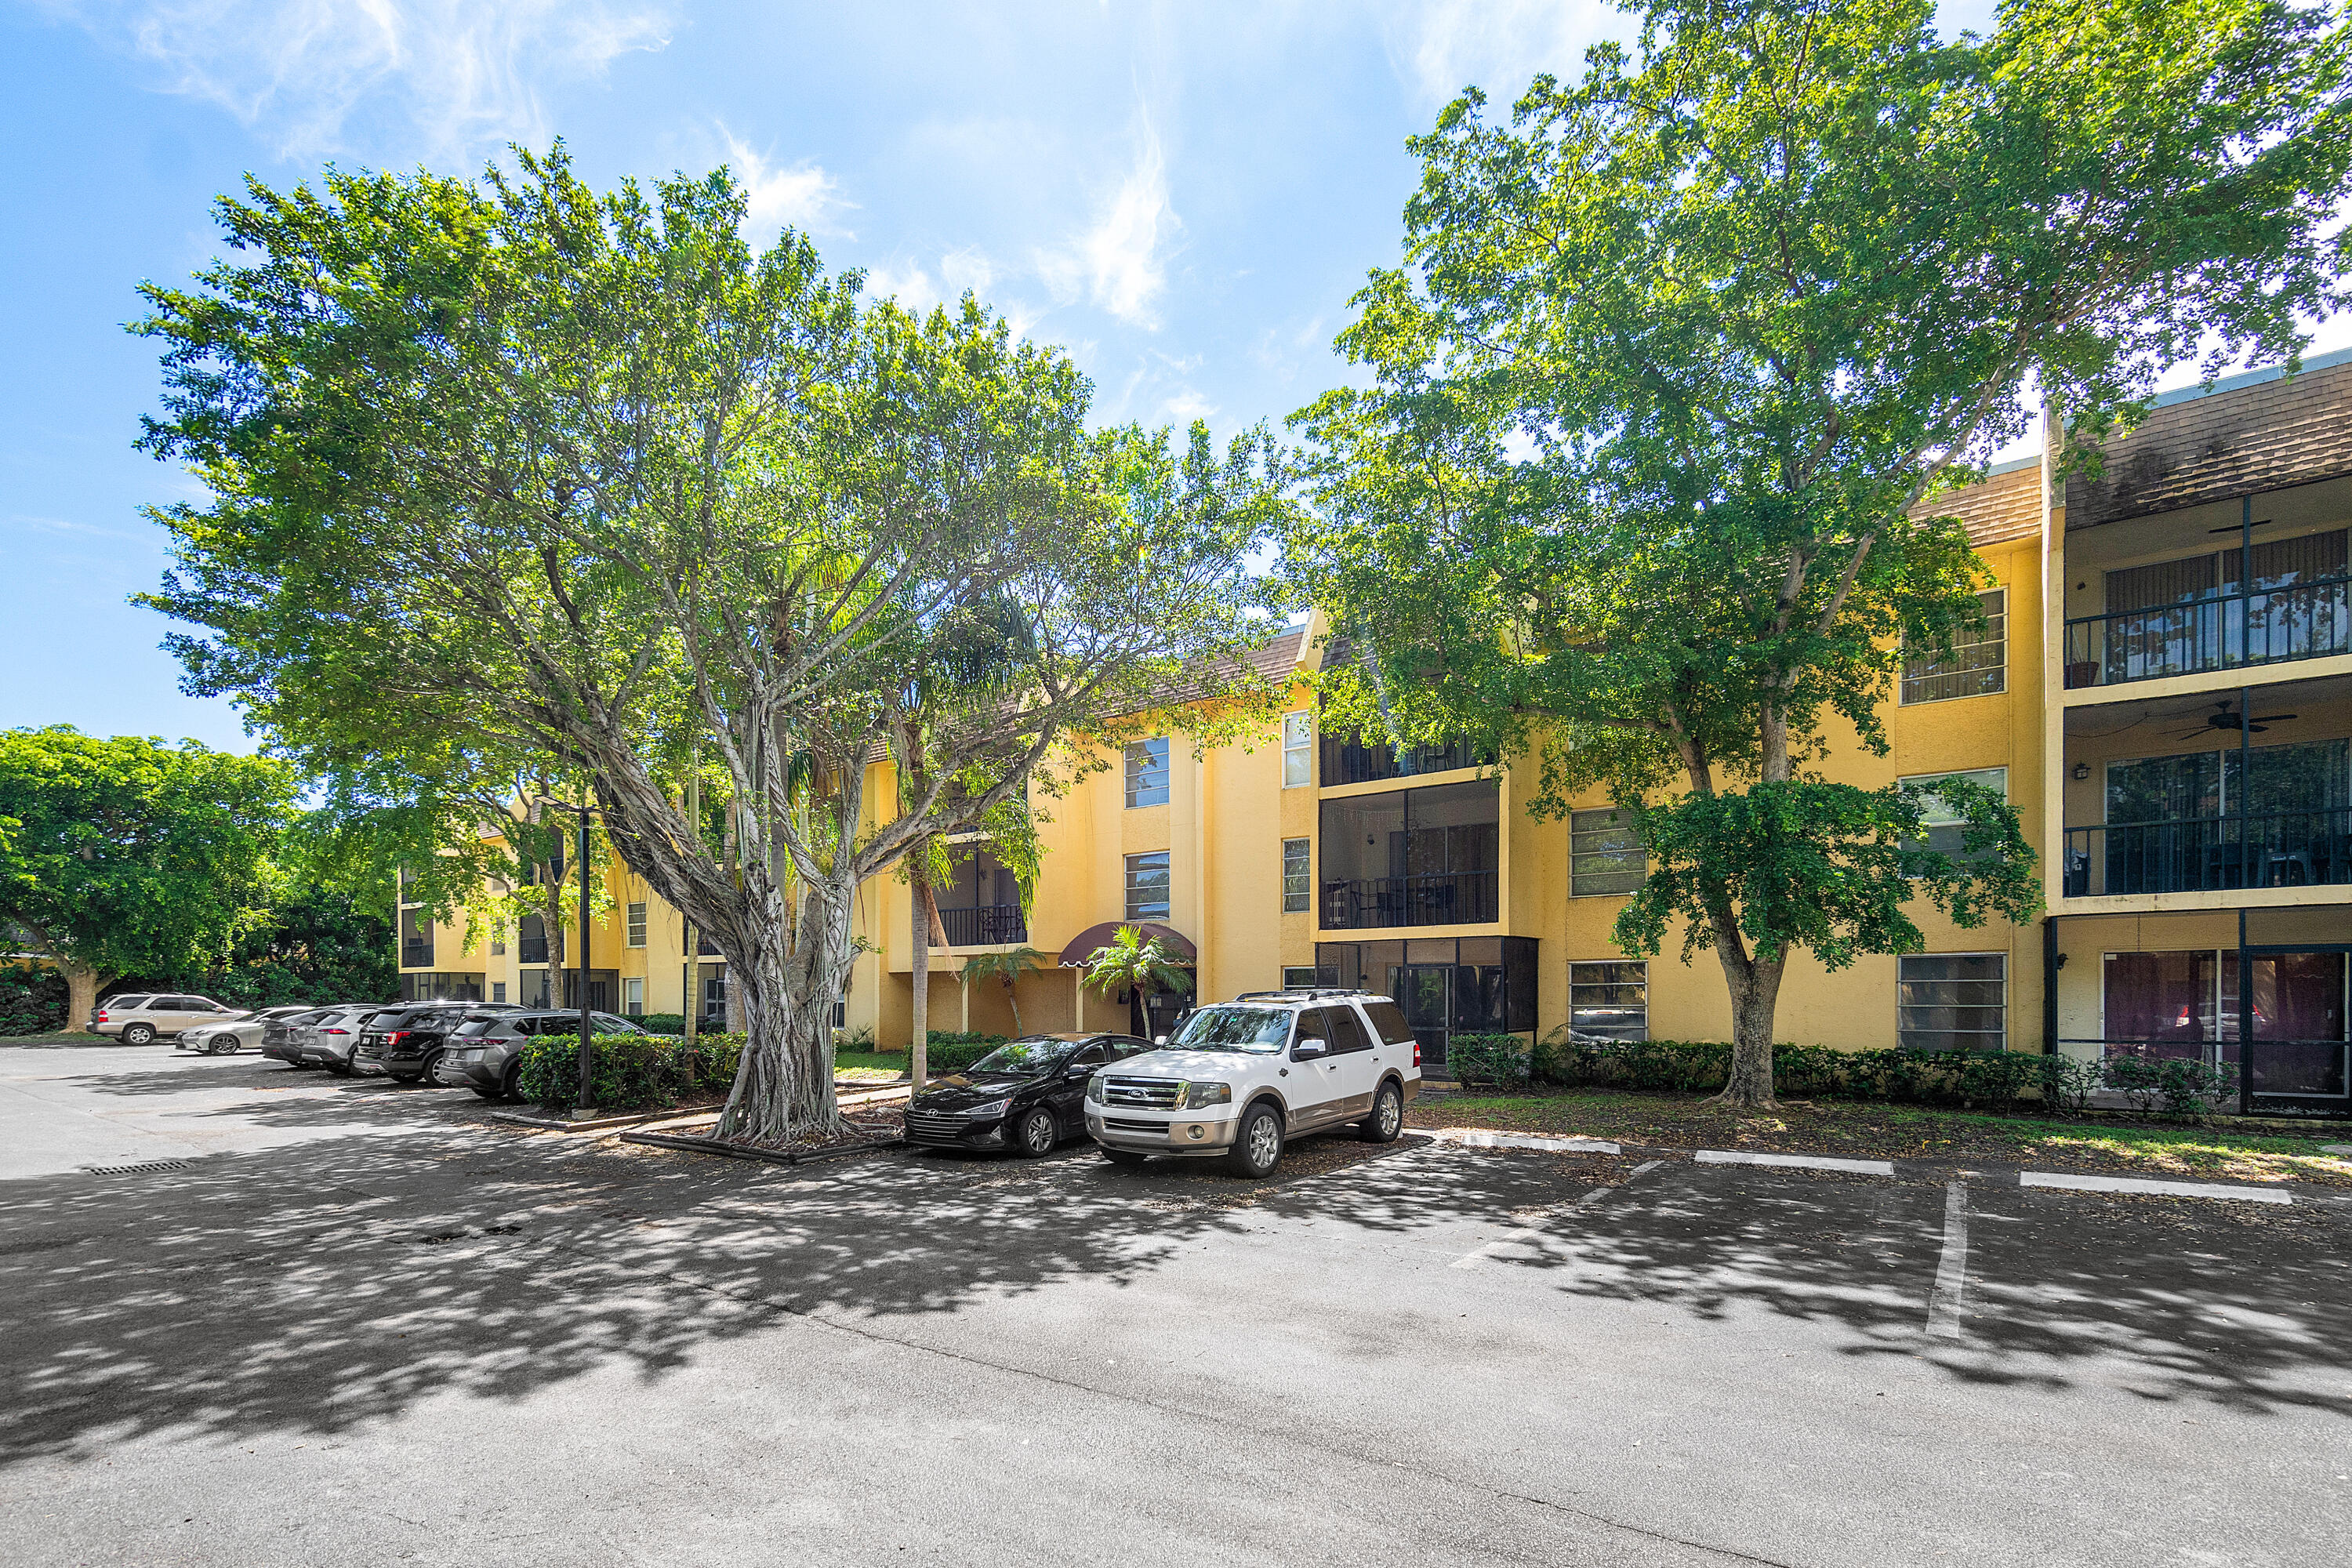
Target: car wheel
{"x":1386,"y":1118}
{"x":1258,"y":1143}
{"x":1122,"y":1156}
{"x":340,"y":1068}
{"x":138,"y":1034}
{"x":1035,"y":1134}
{"x":511,"y":1083}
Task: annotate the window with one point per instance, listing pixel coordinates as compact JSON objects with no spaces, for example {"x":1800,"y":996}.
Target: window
{"x":498,"y":991}
{"x":1348,"y":1032}
{"x":497,"y":947}
{"x":1297,"y":883}
{"x":1610,"y":1000}
{"x":636,"y":925}
{"x":1953,"y":1002}
{"x":1147,"y":773}
{"x":633,"y":991}
{"x":1945,"y":828}
{"x":1299,"y":977}
{"x":1147,"y":887}
{"x":1298,"y":751}
{"x":841,"y":1012}
{"x":1973,"y":669}
{"x":1604,"y":854}
{"x":714,"y":993}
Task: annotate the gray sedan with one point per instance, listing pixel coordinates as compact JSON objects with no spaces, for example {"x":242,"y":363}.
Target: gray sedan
{"x":227,"y":1039}
{"x":485,"y":1052}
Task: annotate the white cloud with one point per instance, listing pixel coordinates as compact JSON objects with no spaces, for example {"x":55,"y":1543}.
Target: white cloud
{"x":467,"y":74}
{"x":803,"y":196}
{"x":1498,"y":45}
{"x":967,"y":270}
{"x":1117,"y":262}
{"x":907,"y":283}
{"x":1188,"y":405}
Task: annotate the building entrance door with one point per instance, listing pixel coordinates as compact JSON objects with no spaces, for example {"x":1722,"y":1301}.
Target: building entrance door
{"x":2299,"y":1006}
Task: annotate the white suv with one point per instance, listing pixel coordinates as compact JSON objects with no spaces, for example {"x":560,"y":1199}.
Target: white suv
{"x":1240,"y":1078}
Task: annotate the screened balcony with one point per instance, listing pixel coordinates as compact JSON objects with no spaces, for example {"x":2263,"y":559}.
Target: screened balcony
{"x":415,"y":940}
{"x":981,"y":906}
{"x":1347,"y":760}
{"x":2240,"y":586}
{"x":1408,"y":858}
{"x":2210,"y":795}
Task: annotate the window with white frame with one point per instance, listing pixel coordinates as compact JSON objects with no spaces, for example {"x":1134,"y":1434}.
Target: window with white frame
{"x":1297,"y":887}
{"x":636,"y":925}
{"x":1147,"y":887}
{"x":1604,"y":854}
{"x":1977,"y":665}
{"x":1946,"y":829}
{"x":1147,"y":773}
{"x":1298,"y":751}
{"x":1610,"y":999}
{"x":498,"y":991}
{"x":633,"y":996}
{"x":1953,"y":1002}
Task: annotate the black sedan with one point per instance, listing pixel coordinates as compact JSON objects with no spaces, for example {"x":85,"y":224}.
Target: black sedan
{"x":1026,"y":1095}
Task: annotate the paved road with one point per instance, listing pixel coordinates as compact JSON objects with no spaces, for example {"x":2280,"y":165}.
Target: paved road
{"x":362,"y":1326}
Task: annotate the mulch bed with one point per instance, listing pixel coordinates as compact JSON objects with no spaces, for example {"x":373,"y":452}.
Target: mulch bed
{"x":2100,"y":1145}
{"x":862,"y":1128}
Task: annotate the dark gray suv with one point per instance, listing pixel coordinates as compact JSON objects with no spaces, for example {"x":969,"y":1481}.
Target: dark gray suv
{"x":485,"y":1052}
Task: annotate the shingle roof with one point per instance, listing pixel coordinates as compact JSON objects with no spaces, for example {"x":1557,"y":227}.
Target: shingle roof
{"x":2258,"y":431}
{"x":2005,"y":504}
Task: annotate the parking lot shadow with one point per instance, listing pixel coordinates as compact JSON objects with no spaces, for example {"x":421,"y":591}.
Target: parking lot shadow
{"x":309,"y":1288}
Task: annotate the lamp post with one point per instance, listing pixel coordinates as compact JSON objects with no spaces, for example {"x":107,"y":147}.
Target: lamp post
{"x":587,"y":1024}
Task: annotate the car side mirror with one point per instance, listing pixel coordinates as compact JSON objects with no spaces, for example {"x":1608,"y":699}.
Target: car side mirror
{"x":1309,"y":1049}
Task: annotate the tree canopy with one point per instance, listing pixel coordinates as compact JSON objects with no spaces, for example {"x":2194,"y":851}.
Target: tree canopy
{"x":510,"y":475}
{"x":1681,"y":354}
{"x":124,"y":855}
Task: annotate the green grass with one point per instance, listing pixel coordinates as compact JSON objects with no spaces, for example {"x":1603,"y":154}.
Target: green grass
{"x":879,"y":1066}
{"x":1915,"y":1132}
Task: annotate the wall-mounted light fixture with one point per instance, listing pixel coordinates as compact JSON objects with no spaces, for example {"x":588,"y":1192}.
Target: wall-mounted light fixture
{"x":2082,"y":771}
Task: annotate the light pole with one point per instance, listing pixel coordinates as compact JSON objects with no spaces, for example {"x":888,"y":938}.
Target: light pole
{"x":587,"y":1024}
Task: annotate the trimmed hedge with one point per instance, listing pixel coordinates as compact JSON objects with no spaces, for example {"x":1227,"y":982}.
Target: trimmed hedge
{"x":954,"y":1050}
{"x":1987,"y":1080}
{"x":629,"y":1072}
{"x":661,"y":1023}
{"x":1503,"y":1060}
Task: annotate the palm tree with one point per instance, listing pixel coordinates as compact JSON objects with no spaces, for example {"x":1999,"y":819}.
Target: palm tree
{"x":1135,"y":963}
{"x":1006,"y":969}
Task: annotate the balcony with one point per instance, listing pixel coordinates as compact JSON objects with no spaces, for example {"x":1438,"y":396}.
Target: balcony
{"x":1433,"y":899}
{"x":2224,"y":792}
{"x":530,"y":950}
{"x":416,"y":952}
{"x":1347,"y":760}
{"x":985,"y":925}
{"x":2211,"y":853}
{"x":1407,"y":858}
{"x":2233,"y":631}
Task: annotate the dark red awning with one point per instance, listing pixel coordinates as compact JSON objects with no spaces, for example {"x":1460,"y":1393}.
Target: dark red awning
{"x":1082,"y":946}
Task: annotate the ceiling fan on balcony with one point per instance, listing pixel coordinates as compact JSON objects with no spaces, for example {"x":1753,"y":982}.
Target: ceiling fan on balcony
{"x":2226,"y":718}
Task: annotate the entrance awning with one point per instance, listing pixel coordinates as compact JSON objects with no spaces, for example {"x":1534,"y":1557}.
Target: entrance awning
{"x":1082,"y":946}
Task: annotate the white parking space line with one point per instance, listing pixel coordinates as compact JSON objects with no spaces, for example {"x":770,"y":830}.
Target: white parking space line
{"x":2152,"y":1188}
{"x":1945,"y":1301}
{"x":1795,"y":1161}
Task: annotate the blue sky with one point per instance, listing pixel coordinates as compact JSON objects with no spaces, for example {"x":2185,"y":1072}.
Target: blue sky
{"x":1184,"y":195}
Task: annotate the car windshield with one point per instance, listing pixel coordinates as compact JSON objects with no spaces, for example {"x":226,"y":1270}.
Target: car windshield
{"x":480,"y":1025}
{"x":1041,"y":1054}
{"x":1263,"y":1030}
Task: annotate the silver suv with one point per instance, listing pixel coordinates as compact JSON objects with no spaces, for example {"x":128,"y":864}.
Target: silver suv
{"x":138,"y":1019}
{"x":1240,"y":1078}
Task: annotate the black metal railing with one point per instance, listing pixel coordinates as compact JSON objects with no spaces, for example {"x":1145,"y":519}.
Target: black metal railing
{"x":530,"y":950}
{"x":1347,"y":760}
{"x":2305,"y":620}
{"x":416,"y":952}
{"x":1436,"y":898}
{"x":985,"y":925}
{"x":2308,"y":1069}
{"x":2208,"y":854}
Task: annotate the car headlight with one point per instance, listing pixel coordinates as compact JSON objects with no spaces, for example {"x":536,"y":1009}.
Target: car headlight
{"x":1094,"y":1089}
{"x":993,"y":1108}
{"x":1195,"y":1095}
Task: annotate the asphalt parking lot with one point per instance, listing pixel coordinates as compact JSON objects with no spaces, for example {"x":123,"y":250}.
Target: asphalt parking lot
{"x":361,"y":1324}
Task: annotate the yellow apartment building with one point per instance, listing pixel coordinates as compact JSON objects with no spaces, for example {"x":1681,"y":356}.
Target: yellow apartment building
{"x":2198,"y":866}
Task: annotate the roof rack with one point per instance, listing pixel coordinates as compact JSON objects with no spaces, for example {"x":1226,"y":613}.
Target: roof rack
{"x":1302,"y":993}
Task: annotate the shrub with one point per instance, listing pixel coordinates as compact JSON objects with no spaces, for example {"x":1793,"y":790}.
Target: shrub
{"x":2184,"y":1086}
{"x":32,"y":1000}
{"x":953,"y":1050}
{"x":1499,"y":1059}
{"x":629,"y":1072}
{"x":859,"y":1039}
{"x":2065,"y":1083}
{"x":662,"y":1023}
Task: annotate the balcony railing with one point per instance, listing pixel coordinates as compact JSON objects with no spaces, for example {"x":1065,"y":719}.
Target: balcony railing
{"x":2208,"y":854}
{"x":2231,"y":631}
{"x":986,"y":925}
{"x":1437,"y":899}
{"x":2285,"y":1067}
{"x":1347,"y":761}
{"x":417,"y":954}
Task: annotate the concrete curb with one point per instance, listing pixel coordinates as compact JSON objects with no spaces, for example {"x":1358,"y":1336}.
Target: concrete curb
{"x":771,"y":1156}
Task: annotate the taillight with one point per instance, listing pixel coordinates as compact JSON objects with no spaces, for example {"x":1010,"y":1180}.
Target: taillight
{"x":394,"y":1038}
{"x":102,"y":1014}
{"x":1416,"y":1053}
{"x":334,"y":1031}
